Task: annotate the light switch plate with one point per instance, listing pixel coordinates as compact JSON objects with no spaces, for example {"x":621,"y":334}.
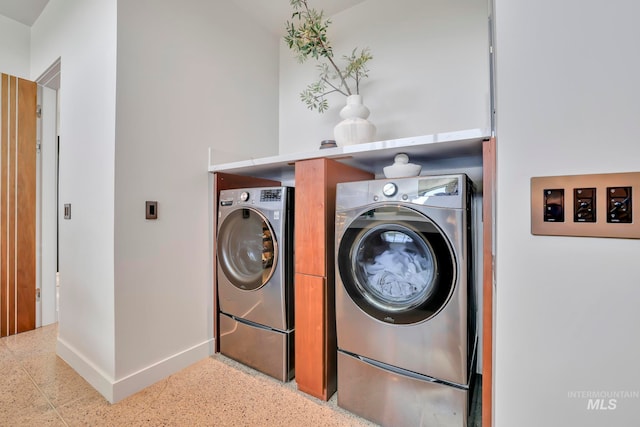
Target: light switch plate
{"x":151,"y":210}
{"x":554,"y":207}
{"x":573,"y":225}
{"x":585,"y":205}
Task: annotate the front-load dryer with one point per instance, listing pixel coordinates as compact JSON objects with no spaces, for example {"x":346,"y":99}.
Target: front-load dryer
{"x":404,"y":300}
{"x":255,"y":278}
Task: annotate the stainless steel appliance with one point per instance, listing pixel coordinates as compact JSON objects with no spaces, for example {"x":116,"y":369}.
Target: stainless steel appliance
{"x":255,"y":278}
{"x":405,"y":305}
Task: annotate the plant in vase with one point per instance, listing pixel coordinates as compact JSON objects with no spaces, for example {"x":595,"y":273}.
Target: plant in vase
{"x":307,"y":37}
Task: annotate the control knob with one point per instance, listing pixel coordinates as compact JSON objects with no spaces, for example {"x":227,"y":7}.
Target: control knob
{"x":389,"y":189}
{"x":244,"y":196}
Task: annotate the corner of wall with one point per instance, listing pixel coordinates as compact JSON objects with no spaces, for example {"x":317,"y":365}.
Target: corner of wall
{"x":145,"y":377}
{"x":87,"y":370}
{"x":116,"y":390}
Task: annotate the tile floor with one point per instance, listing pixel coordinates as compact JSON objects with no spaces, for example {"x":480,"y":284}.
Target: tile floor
{"x":38,"y":389}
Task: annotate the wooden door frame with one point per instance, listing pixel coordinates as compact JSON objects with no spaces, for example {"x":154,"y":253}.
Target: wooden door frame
{"x":47,"y":268}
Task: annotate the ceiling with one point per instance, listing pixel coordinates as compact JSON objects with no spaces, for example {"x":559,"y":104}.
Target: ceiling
{"x":271,"y":13}
{"x":24,"y":11}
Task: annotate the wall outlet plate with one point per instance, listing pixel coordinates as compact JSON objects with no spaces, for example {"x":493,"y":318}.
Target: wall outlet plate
{"x":588,"y":202}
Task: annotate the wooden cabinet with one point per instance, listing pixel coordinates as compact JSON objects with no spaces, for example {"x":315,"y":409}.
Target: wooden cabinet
{"x":315,"y":335}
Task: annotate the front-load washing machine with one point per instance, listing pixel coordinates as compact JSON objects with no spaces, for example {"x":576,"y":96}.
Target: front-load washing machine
{"x":255,"y":278}
{"x":404,"y":300}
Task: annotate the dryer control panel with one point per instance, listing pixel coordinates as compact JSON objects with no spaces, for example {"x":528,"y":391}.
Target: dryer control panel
{"x":252,"y":196}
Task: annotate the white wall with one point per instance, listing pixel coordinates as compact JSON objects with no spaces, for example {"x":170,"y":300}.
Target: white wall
{"x":136,"y":296}
{"x":83,"y":35}
{"x":429,"y":72}
{"x":14,"y":48}
{"x":567,"y":316}
{"x":199,"y":75}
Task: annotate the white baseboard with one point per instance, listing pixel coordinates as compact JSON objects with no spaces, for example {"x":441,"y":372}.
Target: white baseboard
{"x":87,"y":370}
{"x":135,"y":382}
{"x":116,"y":390}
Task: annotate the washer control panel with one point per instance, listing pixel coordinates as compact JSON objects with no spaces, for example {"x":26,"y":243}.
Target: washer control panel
{"x":445,"y":191}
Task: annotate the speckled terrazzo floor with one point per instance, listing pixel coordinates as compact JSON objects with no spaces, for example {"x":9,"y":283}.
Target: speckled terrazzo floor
{"x":37,"y":388}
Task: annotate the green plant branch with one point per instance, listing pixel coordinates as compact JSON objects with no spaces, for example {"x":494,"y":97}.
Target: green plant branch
{"x":315,"y":25}
{"x":324,"y":77}
{"x":334,"y":88}
{"x":309,"y":39}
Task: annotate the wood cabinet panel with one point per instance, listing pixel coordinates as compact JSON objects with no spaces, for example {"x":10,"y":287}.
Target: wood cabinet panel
{"x":316,"y":344}
{"x":310,"y":218}
{"x":488,"y":185}
{"x":316,"y":182}
{"x":310,"y":334}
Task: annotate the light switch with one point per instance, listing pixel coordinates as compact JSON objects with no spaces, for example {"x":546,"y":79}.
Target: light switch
{"x":151,"y":210}
{"x":554,"y":205}
{"x":619,"y":205}
{"x":584,"y":205}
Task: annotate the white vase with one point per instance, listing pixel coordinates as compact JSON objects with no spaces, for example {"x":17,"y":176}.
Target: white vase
{"x":354,"y":128}
{"x":401,"y":168}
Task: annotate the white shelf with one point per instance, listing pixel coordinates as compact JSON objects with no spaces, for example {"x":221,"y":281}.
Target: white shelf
{"x":372,"y":156}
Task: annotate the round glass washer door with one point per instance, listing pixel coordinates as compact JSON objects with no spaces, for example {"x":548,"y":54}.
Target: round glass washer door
{"x":396,"y":265}
{"x":247,"y":249}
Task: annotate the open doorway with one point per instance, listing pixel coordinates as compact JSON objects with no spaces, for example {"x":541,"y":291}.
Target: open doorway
{"x":47,"y":277}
